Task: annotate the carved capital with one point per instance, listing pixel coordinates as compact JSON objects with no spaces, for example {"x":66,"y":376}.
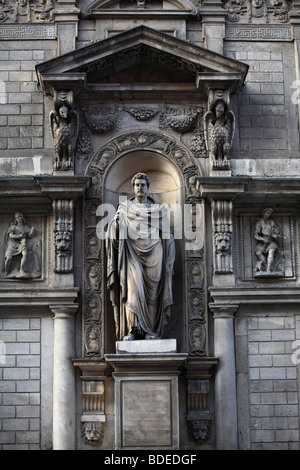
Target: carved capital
{"x":223,"y":310}
{"x":64,"y":311}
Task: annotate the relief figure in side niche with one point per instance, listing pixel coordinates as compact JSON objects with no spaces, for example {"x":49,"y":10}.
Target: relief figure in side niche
{"x":219,"y":124}
{"x":22,"y":255}
{"x":267,"y":250}
{"x":141,"y":254}
{"x":64,"y":127}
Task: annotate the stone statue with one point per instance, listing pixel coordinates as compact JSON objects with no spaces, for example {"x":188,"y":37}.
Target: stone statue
{"x":140,"y":259}
{"x":21,"y":257}
{"x":219,"y":124}
{"x":64,"y":125}
{"x":267,"y":251}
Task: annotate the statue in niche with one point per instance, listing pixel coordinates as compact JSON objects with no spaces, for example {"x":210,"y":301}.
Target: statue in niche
{"x":267,"y":250}
{"x":140,"y":259}
{"x":64,"y":127}
{"x":22,"y":254}
{"x":219,"y":125}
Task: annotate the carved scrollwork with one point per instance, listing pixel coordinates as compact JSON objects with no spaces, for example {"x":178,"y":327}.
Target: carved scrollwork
{"x":84,"y":148}
{"x":143,"y":140}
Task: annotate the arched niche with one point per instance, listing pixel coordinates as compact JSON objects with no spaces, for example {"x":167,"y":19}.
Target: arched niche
{"x":172,"y":169}
{"x":166,"y":186}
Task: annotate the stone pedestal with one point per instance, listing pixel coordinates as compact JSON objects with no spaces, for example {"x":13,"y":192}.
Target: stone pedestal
{"x":146,"y":395}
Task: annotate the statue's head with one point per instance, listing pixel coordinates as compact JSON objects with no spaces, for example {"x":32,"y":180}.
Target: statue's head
{"x":63,"y":111}
{"x":220,"y":108}
{"x":141,"y":183}
{"x":267,"y":212}
{"x":19,"y":218}
{"x":141,"y":176}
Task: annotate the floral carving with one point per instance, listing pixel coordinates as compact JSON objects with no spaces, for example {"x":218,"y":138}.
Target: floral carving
{"x":101,"y":119}
{"x":178,"y":118}
{"x":142,"y":113}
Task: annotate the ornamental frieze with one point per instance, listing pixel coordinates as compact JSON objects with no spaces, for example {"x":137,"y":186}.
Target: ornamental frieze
{"x":27,"y":11}
{"x":263,"y":11}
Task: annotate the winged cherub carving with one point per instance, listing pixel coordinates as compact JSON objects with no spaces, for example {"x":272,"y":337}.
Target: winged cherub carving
{"x":64,"y":128}
{"x":219,"y":124}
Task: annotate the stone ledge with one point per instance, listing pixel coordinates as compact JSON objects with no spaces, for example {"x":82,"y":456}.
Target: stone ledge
{"x":146,"y":346}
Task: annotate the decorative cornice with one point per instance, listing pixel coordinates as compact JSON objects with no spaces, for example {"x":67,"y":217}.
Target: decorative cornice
{"x":227,"y":297}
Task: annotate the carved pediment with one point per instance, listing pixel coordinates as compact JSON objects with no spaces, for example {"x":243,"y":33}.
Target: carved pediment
{"x":141,"y":60}
{"x":144,"y":8}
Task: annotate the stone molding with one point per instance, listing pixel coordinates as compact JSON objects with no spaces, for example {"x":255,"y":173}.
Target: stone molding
{"x":238,"y":295}
{"x":44,"y":297}
{"x":142,"y":9}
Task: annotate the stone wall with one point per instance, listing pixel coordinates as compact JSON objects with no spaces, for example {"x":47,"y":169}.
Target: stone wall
{"x":268,"y":381}
{"x":267,"y":116}
{"x":25,"y":387}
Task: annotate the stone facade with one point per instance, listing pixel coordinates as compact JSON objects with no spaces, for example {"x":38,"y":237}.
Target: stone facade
{"x":203,"y":97}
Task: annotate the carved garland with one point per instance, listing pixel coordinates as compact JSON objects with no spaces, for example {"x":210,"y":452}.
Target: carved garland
{"x":94,"y":260}
{"x":278,"y":10}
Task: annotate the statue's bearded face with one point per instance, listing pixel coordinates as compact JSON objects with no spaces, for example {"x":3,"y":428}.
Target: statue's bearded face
{"x":140,"y":187}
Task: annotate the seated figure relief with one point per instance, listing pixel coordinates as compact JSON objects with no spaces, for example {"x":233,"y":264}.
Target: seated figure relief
{"x":269,"y":256}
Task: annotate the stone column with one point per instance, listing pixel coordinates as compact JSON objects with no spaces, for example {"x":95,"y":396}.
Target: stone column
{"x":64,"y":403}
{"x":225,"y":381}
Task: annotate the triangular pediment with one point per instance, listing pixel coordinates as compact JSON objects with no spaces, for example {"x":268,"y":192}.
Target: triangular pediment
{"x":139,"y":57}
{"x":127,"y":8}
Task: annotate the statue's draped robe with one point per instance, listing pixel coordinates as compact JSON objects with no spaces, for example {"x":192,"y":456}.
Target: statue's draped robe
{"x":140,"y":259}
